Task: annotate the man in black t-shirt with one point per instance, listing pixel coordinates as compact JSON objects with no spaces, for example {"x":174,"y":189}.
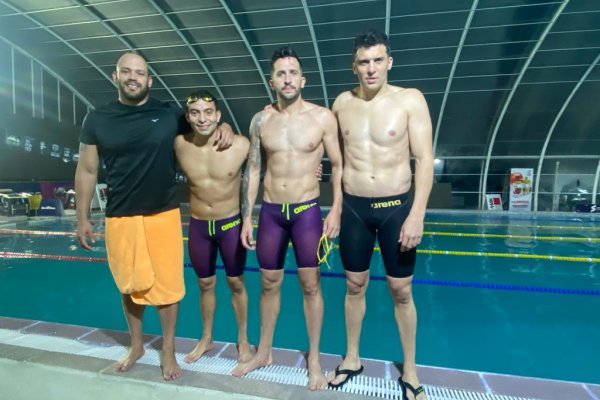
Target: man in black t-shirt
{"x":134,"y":137}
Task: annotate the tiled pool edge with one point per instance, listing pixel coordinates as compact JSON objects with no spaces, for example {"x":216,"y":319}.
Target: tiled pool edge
{"x":484,"y":383}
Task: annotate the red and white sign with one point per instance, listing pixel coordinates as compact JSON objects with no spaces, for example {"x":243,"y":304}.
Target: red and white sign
{"x":99,"y":199}
{"x":494,"y":202}
{"x":521,"y":182}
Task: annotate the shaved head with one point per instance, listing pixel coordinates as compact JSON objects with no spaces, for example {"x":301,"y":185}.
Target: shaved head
{"x":131,"y":55}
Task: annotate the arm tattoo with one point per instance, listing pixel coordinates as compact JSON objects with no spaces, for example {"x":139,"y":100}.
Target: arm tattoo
{"x":245,"y":207}
{"x":253,"y":162}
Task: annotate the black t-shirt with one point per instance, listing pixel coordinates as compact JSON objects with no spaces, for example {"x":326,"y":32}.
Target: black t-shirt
{"x":136,"y":145}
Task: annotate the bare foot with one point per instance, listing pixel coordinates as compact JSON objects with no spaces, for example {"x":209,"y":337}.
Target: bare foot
{"x":202,"y":347}
{"x":169,"y":366}
{"x":349,"y":364}
{"x":129,"y":360}
{"x":244,"y":352}
{"x":255,"y":362}
{"x":316,"y":378}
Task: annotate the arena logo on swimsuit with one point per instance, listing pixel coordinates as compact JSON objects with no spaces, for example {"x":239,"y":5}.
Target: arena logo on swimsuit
{"x":230,"y":225}
{"x":385,"y":204}
{"x":301,"y":208}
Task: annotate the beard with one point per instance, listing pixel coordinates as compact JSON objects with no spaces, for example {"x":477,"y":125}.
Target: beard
{"x":289,"y":96}
{"x":132,"y":97}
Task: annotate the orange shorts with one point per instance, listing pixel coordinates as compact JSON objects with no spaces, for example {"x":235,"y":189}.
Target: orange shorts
{"x":145,"y":256}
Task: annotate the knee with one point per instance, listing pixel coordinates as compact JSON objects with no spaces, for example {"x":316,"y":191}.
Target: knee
{"x":311,"y":288}
{"x":401,"y":294}
{"x":236,"y":286}
{"x":271,"y":281}
{"x":207,"y":284}
{"x":356,"y":287}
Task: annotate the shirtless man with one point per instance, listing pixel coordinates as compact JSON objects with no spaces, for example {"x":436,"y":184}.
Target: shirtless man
{"x":293,"y":137}
{"x":381,"y":126}
{"x":214,"y":178}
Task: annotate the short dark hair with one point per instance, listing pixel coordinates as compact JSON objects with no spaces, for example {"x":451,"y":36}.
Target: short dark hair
{"x":201,"y":94}
{"x":371,"y":38}
{"x":284,"y":52}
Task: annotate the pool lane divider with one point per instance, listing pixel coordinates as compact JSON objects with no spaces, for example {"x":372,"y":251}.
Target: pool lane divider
{"x":25,"y":255}
{"x":438,"y":282}
{"x":8,"y":254}
{"x":338,"y":275}
{"x":421,"y":251}
{"x":561,"y":227}
{"x":43,"y":233}
{"x":185,"y":217}
{"x":506,"y":236}
{"x":509,"y":255}
{"x":428,"y":233}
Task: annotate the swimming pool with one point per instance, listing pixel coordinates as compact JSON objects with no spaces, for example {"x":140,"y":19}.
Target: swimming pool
{"x":480,"y":307}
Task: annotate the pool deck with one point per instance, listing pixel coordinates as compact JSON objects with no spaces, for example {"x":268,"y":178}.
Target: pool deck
{"x":81,"y":358}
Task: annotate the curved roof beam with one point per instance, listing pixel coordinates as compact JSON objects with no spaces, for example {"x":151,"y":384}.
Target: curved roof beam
{"x":199,"y":59}
{"x":60,"y":38}
{"x":452,"y":71}
{"x":248,"y":46}
{"x":482,"y":189}
{"x":119,"y":35}
{"x":388,"y":14}
{"x":313,"y":36}
{"x":49,"y":70}
{"x":553,"y":126}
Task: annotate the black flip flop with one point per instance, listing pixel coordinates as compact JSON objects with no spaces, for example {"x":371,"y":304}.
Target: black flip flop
{"x":350,"y":373}
{"x":406,"y":385}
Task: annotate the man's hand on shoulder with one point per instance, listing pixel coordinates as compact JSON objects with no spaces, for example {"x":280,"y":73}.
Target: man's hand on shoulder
{"x":224,"y":136}
{"x":271,"y":107}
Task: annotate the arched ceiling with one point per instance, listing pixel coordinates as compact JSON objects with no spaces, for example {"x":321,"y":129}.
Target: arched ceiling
{"x":502,"y":77}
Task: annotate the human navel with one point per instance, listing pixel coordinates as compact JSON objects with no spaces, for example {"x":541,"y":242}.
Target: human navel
{"x":347,"y":132}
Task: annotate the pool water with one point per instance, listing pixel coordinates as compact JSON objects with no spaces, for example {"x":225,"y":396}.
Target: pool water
{"x":479,"y":307}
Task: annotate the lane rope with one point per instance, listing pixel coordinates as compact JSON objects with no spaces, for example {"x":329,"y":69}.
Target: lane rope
{"x":329,"y":274}
{"x":26,"y":255}
{"x":501,"y":236}
{"x":463,"y":253}
{"x":429,"y":233}
{"x":509,"y":255}
{"x":561,"y":227}
{"x":42,"y":233}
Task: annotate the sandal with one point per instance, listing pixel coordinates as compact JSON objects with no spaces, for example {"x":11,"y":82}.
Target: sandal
{"x":350,"y":373}
{"x":407,"y":386}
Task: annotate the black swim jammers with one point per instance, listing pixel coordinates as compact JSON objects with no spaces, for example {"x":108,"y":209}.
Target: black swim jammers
{"x":365,"y":219}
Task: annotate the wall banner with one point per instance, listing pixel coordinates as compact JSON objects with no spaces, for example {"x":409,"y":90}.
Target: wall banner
{"x":521,"y":182}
